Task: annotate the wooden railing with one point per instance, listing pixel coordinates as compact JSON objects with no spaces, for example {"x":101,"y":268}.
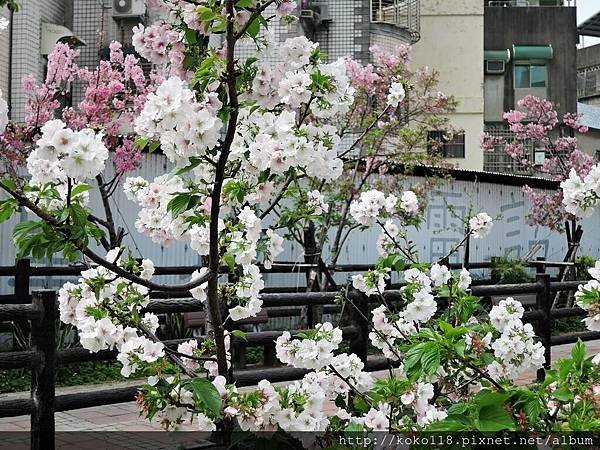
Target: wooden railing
{"x":40,"y":309}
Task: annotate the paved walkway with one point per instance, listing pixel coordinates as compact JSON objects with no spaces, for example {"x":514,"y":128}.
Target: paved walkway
{"x":124,"y":417}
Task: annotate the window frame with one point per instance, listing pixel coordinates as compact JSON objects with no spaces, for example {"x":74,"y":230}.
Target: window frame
{"x":529,"y":65}
{"x":447,"y":148}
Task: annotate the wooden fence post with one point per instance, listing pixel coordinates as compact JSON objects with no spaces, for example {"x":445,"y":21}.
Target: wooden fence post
{"x":43,"y":337}
{"x":22,"y":278}
{"x":540,"y":268}
{"x":544,"y":304}
{"x":359,"y":345}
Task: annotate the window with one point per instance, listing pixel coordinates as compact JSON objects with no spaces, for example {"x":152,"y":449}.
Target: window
{"x":530,"y":76}
{"x":440,"y":144}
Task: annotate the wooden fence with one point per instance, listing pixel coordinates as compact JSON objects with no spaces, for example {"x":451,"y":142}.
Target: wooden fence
{"x":40,"y":309}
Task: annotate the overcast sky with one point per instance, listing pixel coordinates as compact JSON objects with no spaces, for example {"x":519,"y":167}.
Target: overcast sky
{"x":586,"y":9}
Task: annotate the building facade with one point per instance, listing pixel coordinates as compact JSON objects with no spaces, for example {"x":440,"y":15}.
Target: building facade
{"x":22,"y":46}
{"x":342,"y":28}
{"x":452,"y":44}
{"x":530,"y":49}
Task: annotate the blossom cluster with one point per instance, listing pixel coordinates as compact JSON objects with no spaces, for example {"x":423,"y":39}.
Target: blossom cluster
{"x":302,"y":80}
{"x":191,"y":349}
{"x":102,"y":306}
{"x":241,"y":241}
{"x":62,"y":153}
{"x":313,"y":352}
{"x":480,"y":225}
{"x":113,"y":94}
{"x":581,"y":194}
{"x":588,"y":298}
{"x":275,"y":143}
{"x":516,"y":350}
{"x":185,"y":127}
{"x":373,"y":205}
{"x":371,"y":283}
{"x":160,"y":44}
{"x":536,"y":124}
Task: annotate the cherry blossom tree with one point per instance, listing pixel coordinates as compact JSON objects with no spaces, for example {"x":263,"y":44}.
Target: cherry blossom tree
{"x":229,"y":142}
{"x":536,"y":124}
{"x":113,"y":94}
{"x":386,"y":134}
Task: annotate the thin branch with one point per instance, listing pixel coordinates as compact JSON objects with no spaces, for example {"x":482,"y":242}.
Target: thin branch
{"x":66,"y":231}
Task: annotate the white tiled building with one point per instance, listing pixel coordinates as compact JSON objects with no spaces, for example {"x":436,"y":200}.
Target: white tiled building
{"x":342,"y":28}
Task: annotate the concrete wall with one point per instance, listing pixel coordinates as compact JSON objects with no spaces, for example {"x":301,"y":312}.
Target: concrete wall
{"x":588,"y":70}
{"x":588,"y":57}
{"x":5,"y":56}
{"x":452,"y":44}
{"x":590,"y":142}
{"x":538,"y":26}
{"x":27,"y":58}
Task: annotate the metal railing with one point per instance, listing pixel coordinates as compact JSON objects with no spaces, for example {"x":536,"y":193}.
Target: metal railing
{"x":588,"y":82}
{"x":498,"y":161}
{"x":401,"y":13}
{"x":508,"y":3}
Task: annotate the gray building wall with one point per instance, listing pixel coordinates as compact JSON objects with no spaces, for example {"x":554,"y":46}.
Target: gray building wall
{"x":588,"y":74}
{"x":5,"y":56}
{"x":350,"y":32}
{"x":538,"y":26}
{"x":26,"y":42}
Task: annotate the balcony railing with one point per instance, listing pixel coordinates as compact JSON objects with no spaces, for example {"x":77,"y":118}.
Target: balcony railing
{"x":588,"y":83}
{"x":401,"y":13}
{"x":507,"y":3}
{"x":498,"y":161}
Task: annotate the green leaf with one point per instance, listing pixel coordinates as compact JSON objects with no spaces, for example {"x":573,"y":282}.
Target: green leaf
{"x":207,"y":396}
{"x":431,"y":359}
{"x":240,"y":334}
{"x":451,"y":423}
{"x":458,"y":408}
{"x":194,"y":162}
{"x":154,"y":146}
{"x":492,"y":414}
{"x":533,"y":408}
{"x":205,"y":14}
{"x":244,"y":3}
{"x":190,"y":36}
{"x":494,"y":418}
{"x":181,"y":203}
{"x":563,"y":394}
{"x":24,"y":228}
{"x":141,"y":142}
{"x":254,"y":28}
{"x":578,"y":353}
{"x":7,"y":208}
{"x":229,"y":259}
{"x":79,"y":189}
{"x":10,"y":184}
{"x":354,"y":427}
{"x":486,"y":397}
{"x":360,"y":405}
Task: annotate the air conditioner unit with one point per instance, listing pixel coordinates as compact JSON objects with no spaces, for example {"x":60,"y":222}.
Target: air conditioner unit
{"x":317,"y":12}
{"x":324,"y":14}
{"x":307,"y":14}
{"x":128,"y":8}
{"x":495,"y":67}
